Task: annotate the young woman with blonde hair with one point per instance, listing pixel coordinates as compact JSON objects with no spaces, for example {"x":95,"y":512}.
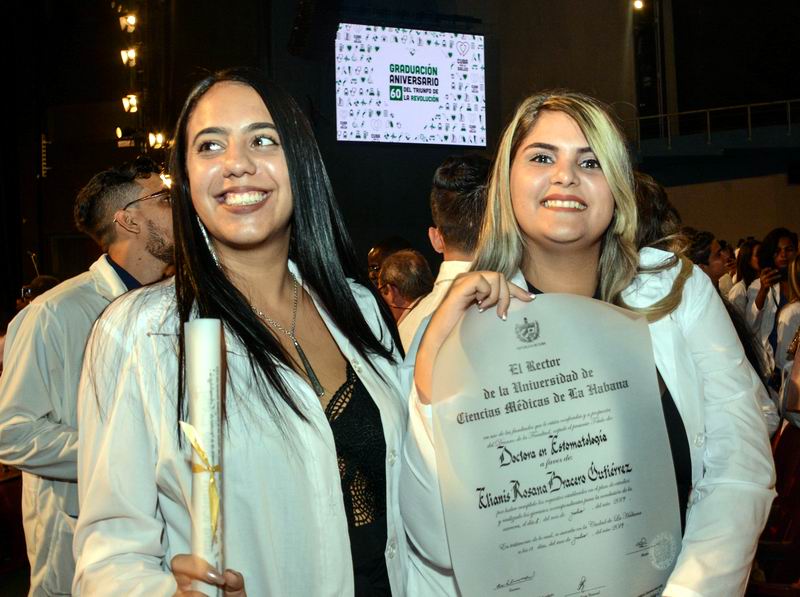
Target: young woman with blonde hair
{"x":562,"y":217}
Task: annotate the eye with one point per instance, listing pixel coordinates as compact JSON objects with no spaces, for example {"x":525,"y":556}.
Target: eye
{"x":206,"y":146}
{"x":264,"y":141}
{"x":542,"y":158}
{"x":590,"y":164}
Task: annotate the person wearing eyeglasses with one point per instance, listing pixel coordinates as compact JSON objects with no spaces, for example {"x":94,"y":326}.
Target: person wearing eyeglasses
{"x":126,"y":211}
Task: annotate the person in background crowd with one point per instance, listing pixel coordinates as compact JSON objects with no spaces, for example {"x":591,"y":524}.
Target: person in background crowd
{"x":706,"y":252}
{"x":767,"y":295}
{"x":659,"y":223}
{"x":38,"y":285}
{"x":659,"y":228}
{"x":126,"y":211}
{"x":728,"y":279}
{"x":405,"y":277}
{"x":789,"y":316}
{"x":747,"y":270}
{"x":561,"y":217}
{"x":381,"y":251}
{"x":313,"y":415}
{"x":790,"y":392}
{"x":458,"y":200}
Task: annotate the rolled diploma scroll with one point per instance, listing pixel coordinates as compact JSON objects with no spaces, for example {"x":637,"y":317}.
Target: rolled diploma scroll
{"x":203,"y":374}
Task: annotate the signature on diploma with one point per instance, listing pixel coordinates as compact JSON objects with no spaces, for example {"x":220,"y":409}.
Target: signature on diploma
{"x":512,"y":584}
{"x":583,"y":591}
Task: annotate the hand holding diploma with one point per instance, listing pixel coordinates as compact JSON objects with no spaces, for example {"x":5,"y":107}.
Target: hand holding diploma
{"x":203,"y":433}
{"x":484,"y":289}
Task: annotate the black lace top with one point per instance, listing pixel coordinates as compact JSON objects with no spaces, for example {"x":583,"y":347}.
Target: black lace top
{"x":361,"y":449}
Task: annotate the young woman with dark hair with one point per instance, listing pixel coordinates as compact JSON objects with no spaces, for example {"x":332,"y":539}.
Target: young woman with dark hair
{"x":767,"y":295}
{"x":747,"y":270}
{"x":313,"y":417}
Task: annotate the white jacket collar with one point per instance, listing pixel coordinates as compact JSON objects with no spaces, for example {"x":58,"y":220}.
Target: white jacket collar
{"x":106,"y":281}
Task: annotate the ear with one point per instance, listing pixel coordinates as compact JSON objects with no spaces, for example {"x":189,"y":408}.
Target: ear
{"x":125,"y":220}
{"x":391,"y":293}
{"x":437,"y":242}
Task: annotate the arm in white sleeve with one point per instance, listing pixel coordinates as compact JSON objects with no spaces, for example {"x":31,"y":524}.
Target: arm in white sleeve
{"x":33,"y":395}
{"x":738,"y":298}
{"x":754,"y":315}
{"x":118,"y":539}
{"x":788,"y":322}
{"x":731,"y":502}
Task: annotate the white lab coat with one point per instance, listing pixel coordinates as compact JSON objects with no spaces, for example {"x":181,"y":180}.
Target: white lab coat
{"x":761,"y":321}
{"x":284,"y":524}
{"x":409,"y":325}
{"x":788,"y":322}
{"x":715,"y":390}
{"x":737,"y":296}
{"x":38,"y":415}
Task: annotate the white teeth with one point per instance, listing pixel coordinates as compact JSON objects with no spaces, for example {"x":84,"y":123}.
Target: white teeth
{"x":248,"y":198}
{"x":567,"y":204}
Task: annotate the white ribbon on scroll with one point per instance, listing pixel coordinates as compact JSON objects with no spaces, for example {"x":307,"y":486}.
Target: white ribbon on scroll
{"x":553,"y":456}
{"x":203,"y":376}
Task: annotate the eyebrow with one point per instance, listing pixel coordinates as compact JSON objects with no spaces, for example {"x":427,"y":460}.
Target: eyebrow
{"x":553,"y":148}
{"x":218,"y":130}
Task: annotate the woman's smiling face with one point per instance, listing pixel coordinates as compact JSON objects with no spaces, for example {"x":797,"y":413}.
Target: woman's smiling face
{"x":238,"y":177}
{"x":559,"y":193}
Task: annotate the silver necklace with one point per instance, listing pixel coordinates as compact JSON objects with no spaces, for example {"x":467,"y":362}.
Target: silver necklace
{"x":312,"y":377}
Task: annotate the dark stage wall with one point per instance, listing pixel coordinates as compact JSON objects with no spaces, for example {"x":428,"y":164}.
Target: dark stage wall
{"x":66,"y":81}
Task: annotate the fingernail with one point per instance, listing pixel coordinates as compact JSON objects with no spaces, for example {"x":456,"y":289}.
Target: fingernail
{"x":479,"y":301}
{"x":504,"y":317}
{"x":215,"y":577}
{"x":481,"y":309}
{"x":532,"y":295}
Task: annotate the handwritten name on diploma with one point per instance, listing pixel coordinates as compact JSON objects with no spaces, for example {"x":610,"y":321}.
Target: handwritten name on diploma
{"x":553,"y":484}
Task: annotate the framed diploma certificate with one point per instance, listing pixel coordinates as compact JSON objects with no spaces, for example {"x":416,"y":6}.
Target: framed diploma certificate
{"x":554,"y":463}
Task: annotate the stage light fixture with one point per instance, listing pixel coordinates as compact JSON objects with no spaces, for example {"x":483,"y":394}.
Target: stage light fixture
{"x":130,"y":102}
{"x":128,"y":23}
{"x":128,"y":57}
{"x":125,"y":132}
{"x":156,"y":140}
{"x":638,"y":4}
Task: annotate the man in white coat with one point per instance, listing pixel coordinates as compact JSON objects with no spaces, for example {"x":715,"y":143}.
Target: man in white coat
{"x":458,"y":200}
{"x":126,"y":210}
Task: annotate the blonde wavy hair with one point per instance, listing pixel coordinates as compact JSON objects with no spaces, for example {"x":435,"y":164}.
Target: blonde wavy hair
{"x":500,"y":246}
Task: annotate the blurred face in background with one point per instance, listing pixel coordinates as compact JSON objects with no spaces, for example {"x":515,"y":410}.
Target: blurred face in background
{"x":754,"y":258}
{"x":717,"y":262}
{"x":784,"y":253}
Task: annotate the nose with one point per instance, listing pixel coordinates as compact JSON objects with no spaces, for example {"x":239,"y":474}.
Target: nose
{"x":238,"y":161}
{"x":564,"y":172}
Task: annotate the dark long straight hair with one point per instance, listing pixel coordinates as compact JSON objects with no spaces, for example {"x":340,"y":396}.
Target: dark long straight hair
{"x":744,"y":270}
{"x":319,"y":245}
